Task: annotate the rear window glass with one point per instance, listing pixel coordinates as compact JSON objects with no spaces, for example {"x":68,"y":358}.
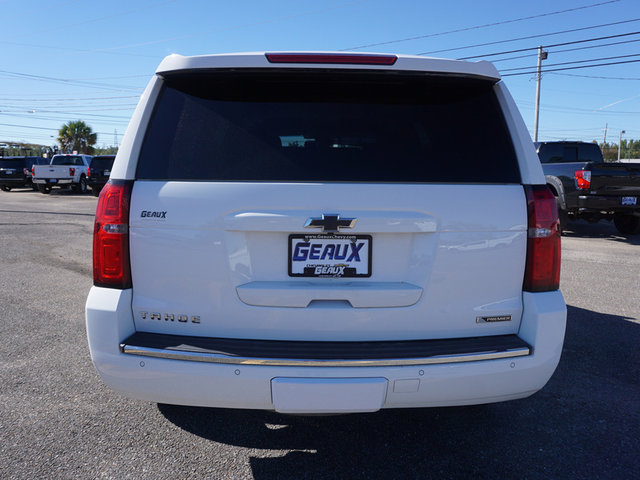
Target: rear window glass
{"x":66,"y":160}
{"x":102,"y":162}
{"x":570,"y":152}
{"x":327,"y":126}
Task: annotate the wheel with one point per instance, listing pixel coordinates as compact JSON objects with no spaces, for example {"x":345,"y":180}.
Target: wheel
{"x":626,"y":223}
{"x":82,"y":185}
{"x":5,"y":188}
{"x":95,"y":191}
{"x":44,"y":188}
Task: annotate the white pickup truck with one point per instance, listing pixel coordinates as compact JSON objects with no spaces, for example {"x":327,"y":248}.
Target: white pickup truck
{"x":63,"y":171}
{"x":291,"y":232}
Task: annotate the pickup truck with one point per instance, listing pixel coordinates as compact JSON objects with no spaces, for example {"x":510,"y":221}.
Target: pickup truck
{"x":98,"y":172}
{"x":63,"y":171}
{"x":286,"y":231}
{"x":586,"y":187}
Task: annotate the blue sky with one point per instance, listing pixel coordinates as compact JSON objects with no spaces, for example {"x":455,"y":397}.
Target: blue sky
{"x":87,"y":60}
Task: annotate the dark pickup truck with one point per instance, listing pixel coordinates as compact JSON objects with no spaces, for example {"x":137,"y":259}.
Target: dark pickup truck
{"x":98,"y":172}
{"x":15,"y":172}
{"x":586,"y":187}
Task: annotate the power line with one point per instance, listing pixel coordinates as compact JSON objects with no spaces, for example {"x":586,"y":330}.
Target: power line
{"x":43,"y":128}
{"x":570,"y":68}
{"x":84,"y":22}
{"x":235,"y":27}
{"x":574,"y":62}
{"x":476,"y":27}
{"x":528,"y":37}
{"x":66,"y":99}
{"x":67,"y":81}
{"x":565,"y":50}
{"x":79,"y":50}
{"x":595,"y":76}
{"x":595,"y":39}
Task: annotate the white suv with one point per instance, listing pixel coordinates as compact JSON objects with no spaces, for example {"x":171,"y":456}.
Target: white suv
{"x":326,"y":233}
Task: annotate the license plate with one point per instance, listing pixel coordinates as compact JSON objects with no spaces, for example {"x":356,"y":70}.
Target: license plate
{"x":629,"y":200}
{"x":107,"y":173}
{"x":329,"y":256}
{"x":53,"y":180}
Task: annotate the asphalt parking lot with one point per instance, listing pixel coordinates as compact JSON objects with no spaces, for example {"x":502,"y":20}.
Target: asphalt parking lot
{"x":57,"y":419}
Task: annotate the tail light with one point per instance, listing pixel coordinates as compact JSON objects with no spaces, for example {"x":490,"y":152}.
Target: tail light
{"x":33,"y":171}
{"x":72,"y":171}
{"x":583,"y":179}
{"x":542,"y":271}
{"x":88,"y":172}
{"x":111,"y":265}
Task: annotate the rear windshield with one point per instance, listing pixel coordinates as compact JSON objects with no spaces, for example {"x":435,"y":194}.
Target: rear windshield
{"x":327,"y":126}
{"x":66,"y":160}
{"x":11,"y":163}
{"x":569,"y":152}
{"x":102,"y":162}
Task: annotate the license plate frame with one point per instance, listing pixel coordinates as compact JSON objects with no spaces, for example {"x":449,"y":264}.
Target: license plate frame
{"x":630,"y":201}
{"x":314,"y":266}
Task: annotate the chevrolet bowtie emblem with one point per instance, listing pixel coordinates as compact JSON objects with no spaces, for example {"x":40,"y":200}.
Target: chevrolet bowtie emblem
{"x":330,"y":223}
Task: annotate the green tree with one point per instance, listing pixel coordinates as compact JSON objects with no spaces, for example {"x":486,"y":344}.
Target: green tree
{"x":77,"y":136}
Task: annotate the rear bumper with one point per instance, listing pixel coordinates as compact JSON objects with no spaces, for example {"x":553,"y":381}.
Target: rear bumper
{"x":299,"y":388}
{"x":14,"y":182}
{"x":608,"y":203}
{"x":53,"y":181}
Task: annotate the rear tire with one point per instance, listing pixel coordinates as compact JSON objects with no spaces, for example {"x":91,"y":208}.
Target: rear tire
{"x":626,"y":223}
{"x":44,"y":189}
{"x":5,"y":188}
{"x":563,"y":216}
{"x":81,"y":187}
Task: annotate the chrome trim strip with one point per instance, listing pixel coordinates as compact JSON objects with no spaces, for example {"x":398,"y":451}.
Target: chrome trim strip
{"x":288,"y":362}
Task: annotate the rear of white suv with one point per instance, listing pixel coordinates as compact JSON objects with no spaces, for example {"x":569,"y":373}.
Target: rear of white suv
{"x":326,"y":233}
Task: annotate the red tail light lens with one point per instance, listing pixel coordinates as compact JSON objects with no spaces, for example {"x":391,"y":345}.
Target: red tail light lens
{"x":88,"y":172}
{"x":583,"y":179}
{"x":542,"y":271}
{"x":341,"y":58}
{"x":111,"y":265}
{"x":33,"y":171}
{"x":72,"y":171}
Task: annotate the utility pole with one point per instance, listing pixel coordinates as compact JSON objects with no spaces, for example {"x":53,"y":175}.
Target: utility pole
{"x":542,"y":55}
{"x":604,"y":140}
{"x":620,"y":143}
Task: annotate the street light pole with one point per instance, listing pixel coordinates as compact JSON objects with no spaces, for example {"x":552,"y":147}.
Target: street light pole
{"x":620,"y":143}
{"x":541,"y":56}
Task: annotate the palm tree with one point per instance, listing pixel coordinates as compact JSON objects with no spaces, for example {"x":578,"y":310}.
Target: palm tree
{"x":77,"y":136}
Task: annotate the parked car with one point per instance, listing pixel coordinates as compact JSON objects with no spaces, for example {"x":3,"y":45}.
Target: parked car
{"x":15,"y":172}
{"x":98,"y":172}
{"x":290,"y":232}
{"x":586,"y":187}
{"x":64,"y":171}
